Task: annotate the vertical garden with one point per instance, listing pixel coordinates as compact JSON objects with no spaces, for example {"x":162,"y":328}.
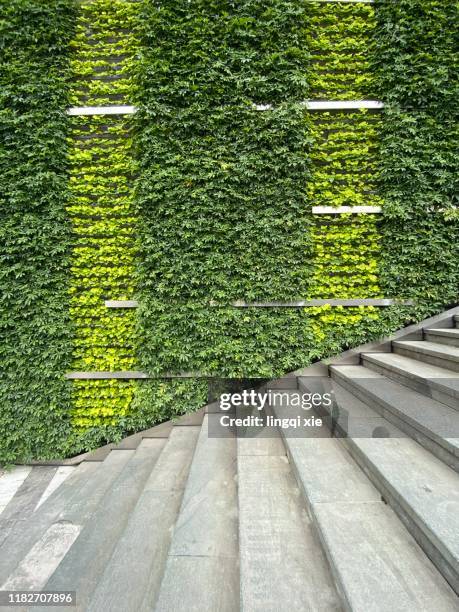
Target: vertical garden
{"x":204,"y":197}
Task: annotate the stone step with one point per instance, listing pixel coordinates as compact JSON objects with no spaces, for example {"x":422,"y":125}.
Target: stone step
{"x":432,"y":424}
{"x":449,"y":337}
{"x":432,"y":381}
{"x":456,"y":320}
{"x":436,"y":354}
{"x":85,"y":562}
{"x":10,"y":482}
{"x":73,"y":502}
{"x":282,"y":564}
{"x":376,"y":563}
{"x":420,"y":494}
{"x":137,"y":563}
{"x":61,"y":474}
{"x":25,"y":498}
{"x":201,"y":571}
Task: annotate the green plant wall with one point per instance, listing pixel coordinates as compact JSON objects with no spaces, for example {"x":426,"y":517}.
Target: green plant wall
{"x":222,"y":187}
{"x":344,"y":160}
{"x":100,"y":209}
{"x":35,"y":328}
{"x":202,"y":199}
{"x":416,"y":70}
{"x":104,"y":222}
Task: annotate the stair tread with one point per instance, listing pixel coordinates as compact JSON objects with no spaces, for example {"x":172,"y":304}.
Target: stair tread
{"x":379,"y":565}
{"x":440,"y":377}
{"x":141,"y":548}
{"x":375,"y":561}
{"x":282,"y":563}
{"x":451,"y":333}
{"x":25,"y":498}
{"x":434,"y":419}
{"x":10,"y":482}
{"x":431,"y":348}
{"x":85,"y":561}
{"x":203,"y":555}
{"x":428,"y":488}
{"x":73,"y":502}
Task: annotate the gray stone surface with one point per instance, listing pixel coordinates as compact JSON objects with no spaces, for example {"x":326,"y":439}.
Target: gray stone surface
{"x":443,"y":336}
{"x":327,"y":473}
{"x":429,"y":352}
{"x":421,"y":417}
{"x":282,"y":564}
{"x":74,"y":501}
{"x":87,"y":558}
{"x":432,"y":381}
{"x":144,"y":544}
{"x":425,"y":495}
{"x":22,"y":504}
{"x":377,"y":564}
{"x":198,"y":584}
{"x":206,"y":533}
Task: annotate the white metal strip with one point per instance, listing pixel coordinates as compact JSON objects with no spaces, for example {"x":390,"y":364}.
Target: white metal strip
{"x":345,"y":210}
{"x":121,"y":303}
{"x":342,"y":104}
{"x":343,"y":1}
{"x":308,"y":104}
{"x":331,"y":105}
{"x":330,"y":302}
{"x":129,"y":375}
{"x":101,"y":110}
{"x":298,"y":304}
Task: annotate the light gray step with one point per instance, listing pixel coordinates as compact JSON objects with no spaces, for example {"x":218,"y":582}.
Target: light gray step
{"x":86,"y":560}
{"x":61,"y":474}
{"x":25,"y":499}
{"x":10,"y":482}
{"x":137,"y":562}
{"x":432,"y":424}
{"x":436,"y":354}
{"x":432,"y":381}
{"x":202,"y":573}
{"x":424,"y":494}
{"x":376,"y":563}
{"x":282,"y":564}
{"x":74,"y":502}
{"x":443,"y":336}
{"x":456,"y":320}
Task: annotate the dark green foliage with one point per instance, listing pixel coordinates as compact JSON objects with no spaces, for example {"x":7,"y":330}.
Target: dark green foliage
{"x":213,"y":52}
{"x":416,"y":68}
{"x":35,"y":334}
{"x":222,"y":191}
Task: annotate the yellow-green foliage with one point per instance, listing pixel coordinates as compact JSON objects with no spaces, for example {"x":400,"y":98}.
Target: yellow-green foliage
{"x":340,"y":40}
{"x":101,"y":211}
{"x":344,"y":169}
{"x":103,"y":48}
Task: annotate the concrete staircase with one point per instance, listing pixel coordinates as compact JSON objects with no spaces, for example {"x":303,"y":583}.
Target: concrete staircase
{"x":174,"y":520}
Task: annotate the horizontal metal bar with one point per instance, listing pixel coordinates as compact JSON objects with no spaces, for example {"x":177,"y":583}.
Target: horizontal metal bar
{"x":315,"y":303}
{"x":129,"y":375}
{"x":345,"y":210}
{"x":298,"y":304}
{"x":101,"y":110}
{"x":344,"y":1}
{"x":308,"y":104}
{"x":342,"y":104}
{"x":330,"y":105}
{"x":121,"y":303}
